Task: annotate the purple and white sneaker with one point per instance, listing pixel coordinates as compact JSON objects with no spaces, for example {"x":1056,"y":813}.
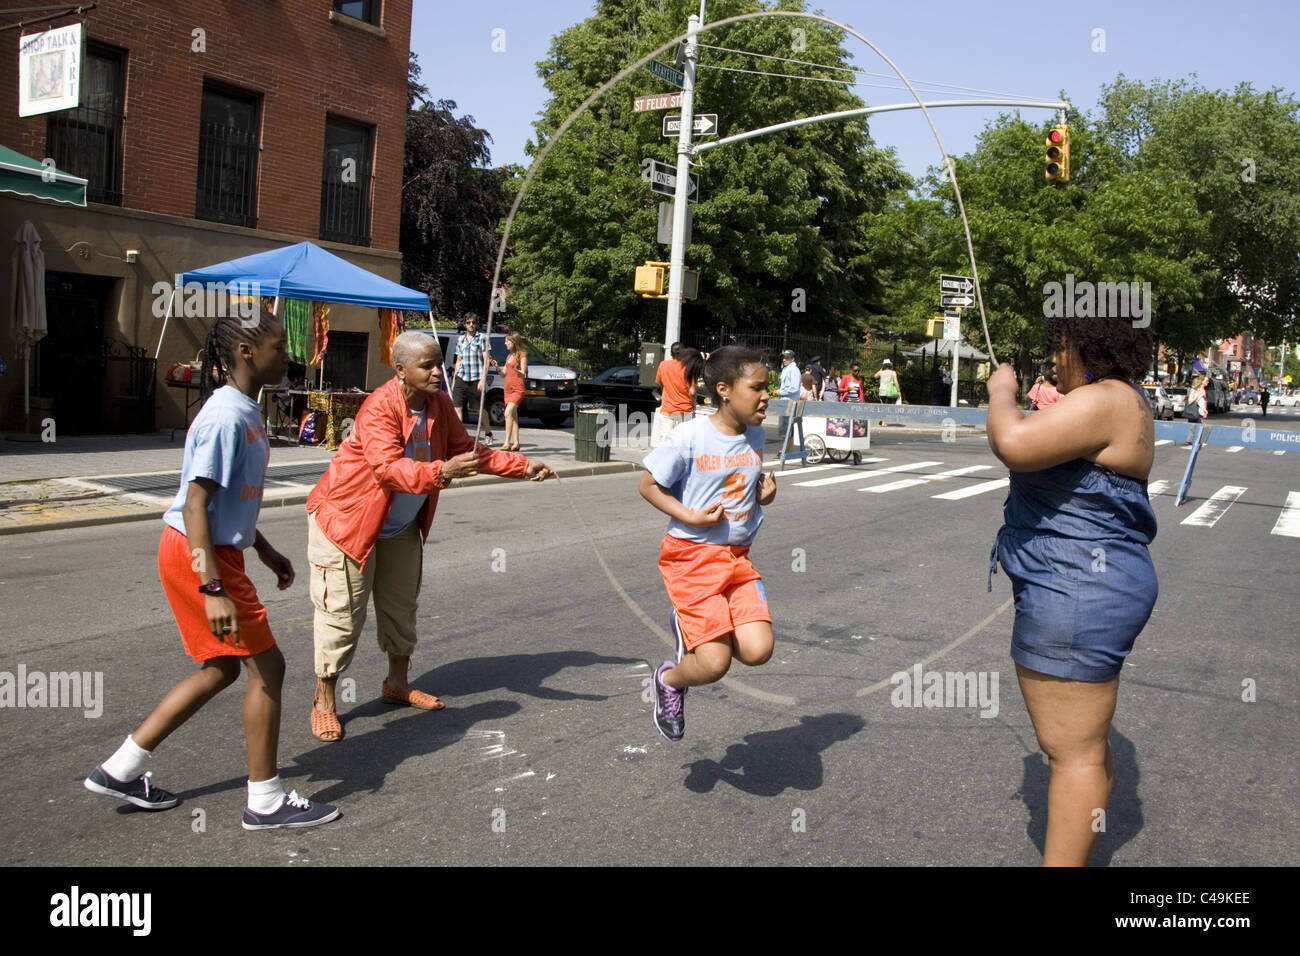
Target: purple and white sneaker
{"x":669,"y":713}
{"x":293,"y":811}
{"x":677,"y":634}
{"x":141,"y":792}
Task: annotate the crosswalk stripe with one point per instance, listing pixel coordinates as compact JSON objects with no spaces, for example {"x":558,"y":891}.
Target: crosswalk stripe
{"x":869,"y":473}
{"x":1156,"y":488}
{"x":1280,"y":452}
{"x":1164,"y":441}
{"x":922,"y":479}
{"x":793,"y":467}
{"x":1235,"y":448}
{"x":972,"y":490}
{"x":1215,"y":508}
{"x":1288,"y":522}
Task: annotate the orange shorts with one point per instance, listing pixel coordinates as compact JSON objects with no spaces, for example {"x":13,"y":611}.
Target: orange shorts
{"x":713,"y":587}
{"x":176,"y":571}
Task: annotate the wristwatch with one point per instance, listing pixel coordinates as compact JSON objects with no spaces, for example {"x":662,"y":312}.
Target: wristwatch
{"x":443,"y":480}
{"x":213,"y":588}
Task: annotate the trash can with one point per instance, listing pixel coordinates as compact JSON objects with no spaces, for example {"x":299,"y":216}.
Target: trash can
{"x":593,"y":430}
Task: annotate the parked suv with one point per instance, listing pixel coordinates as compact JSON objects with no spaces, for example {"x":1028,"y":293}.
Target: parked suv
{"x":1218,"y":397}
{"x":549,"y":391}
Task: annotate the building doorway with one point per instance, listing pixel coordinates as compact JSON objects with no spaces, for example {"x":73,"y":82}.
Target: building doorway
{"x":69,"y":361}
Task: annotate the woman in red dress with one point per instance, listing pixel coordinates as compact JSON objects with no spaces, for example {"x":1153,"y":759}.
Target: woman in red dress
{"x":516,"y":371}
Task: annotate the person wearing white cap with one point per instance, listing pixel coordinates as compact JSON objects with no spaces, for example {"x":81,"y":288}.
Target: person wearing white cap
{"x":887,"y":383}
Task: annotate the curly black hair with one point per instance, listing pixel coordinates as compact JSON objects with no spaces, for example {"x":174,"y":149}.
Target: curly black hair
{"x":725,"y":365}
{"x":1109,"y":347}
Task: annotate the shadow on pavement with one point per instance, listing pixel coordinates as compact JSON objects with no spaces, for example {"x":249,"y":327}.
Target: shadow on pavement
{"x":519,"y":673}
{"x":1123,"y":810}
{"x":770,"y":761}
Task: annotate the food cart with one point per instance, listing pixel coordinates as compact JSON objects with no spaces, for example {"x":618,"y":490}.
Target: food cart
{"x":835,"y":437}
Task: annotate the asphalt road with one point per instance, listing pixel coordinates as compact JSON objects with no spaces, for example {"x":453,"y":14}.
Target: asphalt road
{"x":804,"y":760}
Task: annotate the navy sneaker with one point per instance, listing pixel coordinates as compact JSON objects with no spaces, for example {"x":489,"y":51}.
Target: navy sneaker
{"x":141,"y":792}
{"x":677,"y":634}
{"x":293,"y":811}
{"x":669,"y":715}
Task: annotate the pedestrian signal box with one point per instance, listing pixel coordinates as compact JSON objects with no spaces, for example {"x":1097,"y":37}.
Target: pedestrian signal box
{"x":652,"y":281}
{"x":1058,"y":153}
{"x":934,"y":328}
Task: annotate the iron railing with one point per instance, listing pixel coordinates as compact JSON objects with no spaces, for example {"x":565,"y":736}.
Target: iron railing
{"x":227,"y":186}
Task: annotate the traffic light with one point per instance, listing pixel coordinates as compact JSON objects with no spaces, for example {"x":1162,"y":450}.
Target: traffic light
{"x":1058,"y":153}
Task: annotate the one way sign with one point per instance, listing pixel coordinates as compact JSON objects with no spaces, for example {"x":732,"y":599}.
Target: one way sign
{"x":706,"y":124}
{"x":663,"y":179}
{"x":957,"y":285}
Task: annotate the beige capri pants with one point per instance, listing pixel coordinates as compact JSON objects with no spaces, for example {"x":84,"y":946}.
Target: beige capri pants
{"x":341,"y":588}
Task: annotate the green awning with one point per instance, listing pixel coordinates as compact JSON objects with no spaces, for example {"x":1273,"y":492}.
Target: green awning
{"x":27,"y":177}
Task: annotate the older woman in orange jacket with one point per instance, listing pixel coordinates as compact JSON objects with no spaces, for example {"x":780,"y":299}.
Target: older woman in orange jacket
{"x":370,"y":513}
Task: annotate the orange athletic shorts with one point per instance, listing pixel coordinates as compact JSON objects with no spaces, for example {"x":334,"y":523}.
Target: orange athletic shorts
{"x":176,"y":571}
{"x":713,"y":587}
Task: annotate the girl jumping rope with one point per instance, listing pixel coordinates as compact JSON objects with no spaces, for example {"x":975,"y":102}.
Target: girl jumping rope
{"x":708,"y":478}
{"x":201,"y":564}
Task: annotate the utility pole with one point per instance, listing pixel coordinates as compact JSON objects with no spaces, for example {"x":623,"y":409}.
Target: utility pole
{"x":677,"y":258}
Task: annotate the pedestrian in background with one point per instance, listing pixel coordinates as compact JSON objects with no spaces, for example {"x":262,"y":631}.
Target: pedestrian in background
{"x":789,"y":388}
{"x":887,"y":381}
{"x":676,"y":394}
{"x":201,"y":565}
{"x":1264,"y":398}
{"x":1044,"y":391}
{"x":471,"y":371}
{"x":853,"y":387}
{"x":516,"y":372}
{"x":1074,"y":543}
{"x":1197,"y":408}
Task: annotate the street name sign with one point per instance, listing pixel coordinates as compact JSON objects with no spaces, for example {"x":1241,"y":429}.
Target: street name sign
{"x":706,"y":124}
{"x":663,"y":179}
{"x":667,"y":73}
{"x":660,"y":101}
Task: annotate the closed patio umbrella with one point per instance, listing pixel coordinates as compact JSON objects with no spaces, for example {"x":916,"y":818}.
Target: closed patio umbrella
{"x":28,"y":323}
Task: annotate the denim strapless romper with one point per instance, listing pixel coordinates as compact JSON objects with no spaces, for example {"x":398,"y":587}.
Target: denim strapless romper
{"x":1074,"y":546}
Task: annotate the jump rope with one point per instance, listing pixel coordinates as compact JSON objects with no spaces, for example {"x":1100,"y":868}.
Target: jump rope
{"x":559,"y":133}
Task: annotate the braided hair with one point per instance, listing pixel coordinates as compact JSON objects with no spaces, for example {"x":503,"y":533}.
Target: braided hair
{"x":219,"y":346}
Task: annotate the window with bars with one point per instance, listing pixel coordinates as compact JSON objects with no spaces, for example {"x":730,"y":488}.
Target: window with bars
{"x":364,"y":10}
{"x":345,"y":360}
{"x":345,"y":182}
{"x":87,"y":141}
{"x":229,"y":133}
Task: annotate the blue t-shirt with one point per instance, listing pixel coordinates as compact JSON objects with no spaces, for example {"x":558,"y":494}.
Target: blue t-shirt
{"x":227,"y":443}
{"x":700,"y":465}
{"x":405,"y":507}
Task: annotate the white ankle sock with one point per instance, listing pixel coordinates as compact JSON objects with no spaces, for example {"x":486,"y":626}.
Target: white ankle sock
{"x":265,"y":796}
{"x":128,"y":763}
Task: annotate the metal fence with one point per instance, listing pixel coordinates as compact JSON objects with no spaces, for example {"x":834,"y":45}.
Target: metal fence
{"x":227,"y":184}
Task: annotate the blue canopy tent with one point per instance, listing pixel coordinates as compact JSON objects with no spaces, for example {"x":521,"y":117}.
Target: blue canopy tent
{"x":302,"y":271}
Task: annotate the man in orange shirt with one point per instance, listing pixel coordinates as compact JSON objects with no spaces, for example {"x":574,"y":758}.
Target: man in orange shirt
{"x":677,"y":401}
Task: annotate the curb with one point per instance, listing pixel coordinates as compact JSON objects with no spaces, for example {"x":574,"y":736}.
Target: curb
{"x":577,"y":470}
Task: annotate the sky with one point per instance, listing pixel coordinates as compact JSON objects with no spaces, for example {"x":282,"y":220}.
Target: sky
{"x":1027,"y":48}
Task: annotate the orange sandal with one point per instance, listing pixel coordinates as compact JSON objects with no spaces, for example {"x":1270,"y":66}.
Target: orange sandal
{"x":322,"y":724}
{"x":413,"y":697}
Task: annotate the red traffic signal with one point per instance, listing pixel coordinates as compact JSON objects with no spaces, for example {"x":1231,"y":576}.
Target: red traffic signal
{"x":1058,"y":154}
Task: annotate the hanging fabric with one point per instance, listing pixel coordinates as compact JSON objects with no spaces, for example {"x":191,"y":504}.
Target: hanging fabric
{"x":297,"y":328}
{"x":390,"y":326}
{"x":320,"y":322}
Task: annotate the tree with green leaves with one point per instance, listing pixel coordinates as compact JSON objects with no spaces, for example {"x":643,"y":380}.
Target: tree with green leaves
{"x":451,"y":204}
{"x":778,"y":226}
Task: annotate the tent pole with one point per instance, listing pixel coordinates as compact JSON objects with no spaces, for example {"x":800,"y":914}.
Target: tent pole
{"x":171,"y":303}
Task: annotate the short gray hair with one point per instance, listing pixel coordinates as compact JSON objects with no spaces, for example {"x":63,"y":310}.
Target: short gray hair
{"x":409,"y":346}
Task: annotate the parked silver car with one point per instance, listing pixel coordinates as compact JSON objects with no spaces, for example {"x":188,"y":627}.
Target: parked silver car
{"x":1161,"y":406}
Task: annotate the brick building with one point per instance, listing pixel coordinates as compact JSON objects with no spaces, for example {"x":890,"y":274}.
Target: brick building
{"x":206,"y":132}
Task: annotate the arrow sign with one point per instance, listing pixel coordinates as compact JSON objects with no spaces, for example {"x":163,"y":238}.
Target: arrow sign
{"x":667,"y":73}
{"x":663,"y":179}
{"x":948,"y":300}
{"x":706,"y":124}
{"x":960,"y":285}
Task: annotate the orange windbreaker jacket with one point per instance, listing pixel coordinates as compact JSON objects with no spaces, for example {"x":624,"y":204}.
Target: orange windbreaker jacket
{"x":352,"y":498}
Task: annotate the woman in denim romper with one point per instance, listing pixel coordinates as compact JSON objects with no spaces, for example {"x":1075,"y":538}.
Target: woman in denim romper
{"x":1074,"y":545}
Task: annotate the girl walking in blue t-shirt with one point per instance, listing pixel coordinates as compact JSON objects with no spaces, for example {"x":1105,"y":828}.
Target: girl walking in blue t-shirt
{"x":201,"y":566}
{"x":708,"y":478}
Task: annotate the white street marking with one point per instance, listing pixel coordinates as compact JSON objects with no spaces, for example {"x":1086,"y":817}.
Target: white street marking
{"x":1164,"y":441}
{"x":1156,"y":488}
{"x":1215,"y":508}
{"x":922,"y":479}
{"x":972,"y":490}
{"x":1288,"y":522}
